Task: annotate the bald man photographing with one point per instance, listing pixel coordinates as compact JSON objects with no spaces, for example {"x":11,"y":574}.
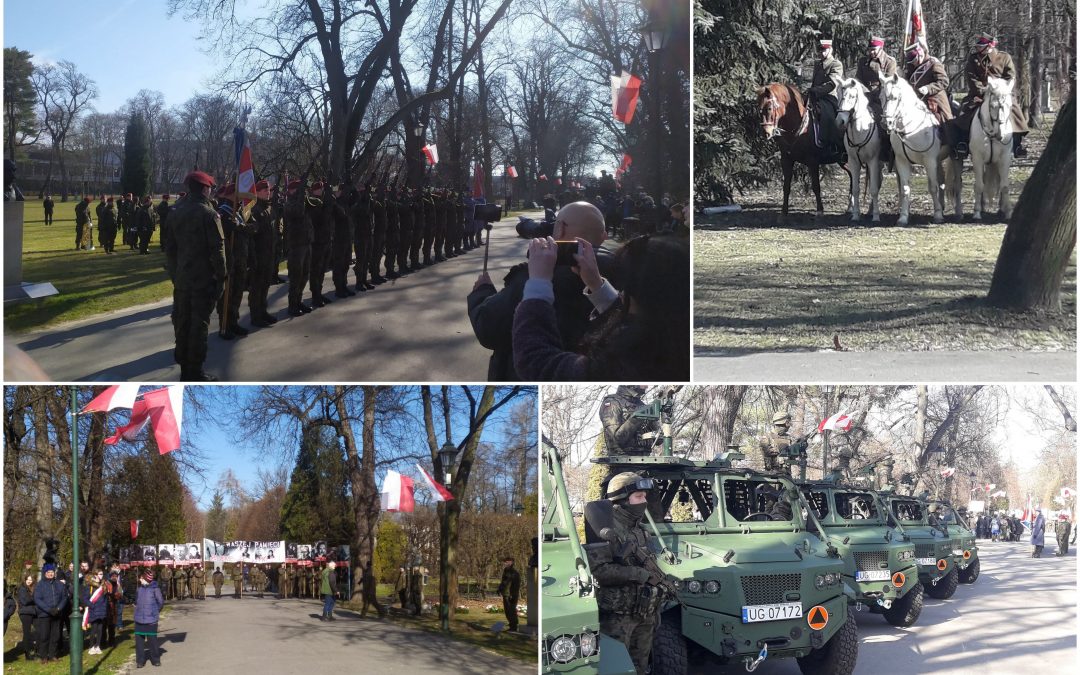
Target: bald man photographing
{"x":491,"y":311}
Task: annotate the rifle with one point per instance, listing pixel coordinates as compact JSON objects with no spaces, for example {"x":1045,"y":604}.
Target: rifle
{"x":642,"y":557}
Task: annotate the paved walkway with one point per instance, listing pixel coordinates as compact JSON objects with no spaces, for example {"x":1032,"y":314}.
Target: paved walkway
{"x":226,"y":635}
{"x":413,"y":328}
{"x":1018,"y":617}
{"x":893,"y":367}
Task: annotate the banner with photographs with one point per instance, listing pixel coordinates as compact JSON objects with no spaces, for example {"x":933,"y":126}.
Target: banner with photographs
{"x":161,"y":554}
{"x":244,"y":551}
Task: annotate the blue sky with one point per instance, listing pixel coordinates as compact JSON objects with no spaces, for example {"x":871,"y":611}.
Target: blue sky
{"x":123,"y":45}
{"x":221,"y":451}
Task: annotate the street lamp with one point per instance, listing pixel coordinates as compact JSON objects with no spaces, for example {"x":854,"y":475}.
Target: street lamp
{"x":447,"y":453}
{"x":656,"y":38}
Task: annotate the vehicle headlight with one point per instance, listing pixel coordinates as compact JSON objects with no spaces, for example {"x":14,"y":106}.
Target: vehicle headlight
{"x":819,"y":582}
{"x":588,"y":645}
{"x":694,"y":586}
{"x":712,"y":586}
{"x":563,"y":649}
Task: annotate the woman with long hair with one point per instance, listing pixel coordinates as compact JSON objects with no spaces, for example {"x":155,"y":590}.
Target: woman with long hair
{"x":641,"y":333}
{"x":27,"y":613}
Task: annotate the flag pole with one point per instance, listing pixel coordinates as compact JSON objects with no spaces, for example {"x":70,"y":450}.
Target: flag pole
{"x":75,"y":628}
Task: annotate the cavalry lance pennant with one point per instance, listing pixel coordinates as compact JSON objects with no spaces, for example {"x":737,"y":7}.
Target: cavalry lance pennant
{"x":915,"y":26}
{"x":441,"y":493}
{"x":431,"y":151}
{"x":245,"y":167}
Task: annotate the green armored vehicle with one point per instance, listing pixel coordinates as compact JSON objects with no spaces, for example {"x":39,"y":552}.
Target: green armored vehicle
{"x":753,"y":582}
{"x":572,"y":642}
{"x":965,"y":551}
{"x":933,"y":544}
{"x":880,"y":561}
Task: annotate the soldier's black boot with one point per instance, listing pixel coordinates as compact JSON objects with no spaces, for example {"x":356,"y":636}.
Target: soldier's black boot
{"x":239,"y":330}
{"x":1018,"y":146}
{"x":269,"y":318}
{"x":306,"y":308}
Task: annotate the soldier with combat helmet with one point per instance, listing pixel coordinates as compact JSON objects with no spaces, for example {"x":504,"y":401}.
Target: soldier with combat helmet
{"x":622,"y":431}
{"x":630,"y":594}
{"x":775,"y":446}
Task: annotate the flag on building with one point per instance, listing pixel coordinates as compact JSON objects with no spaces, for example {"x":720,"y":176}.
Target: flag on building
{"x":511,"y":171}
{"x":915,"y":26}
{"x":624,"y":95}
{"x":431,"y":151}
{"x":839,"y":422}
{"x":245,"y":167}
{"x":397,"y":493}
{"x":116,"y":396}
{"x":440,"y":493}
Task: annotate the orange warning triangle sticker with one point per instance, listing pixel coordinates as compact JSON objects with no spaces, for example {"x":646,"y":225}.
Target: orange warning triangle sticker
{"x":818,"y":617}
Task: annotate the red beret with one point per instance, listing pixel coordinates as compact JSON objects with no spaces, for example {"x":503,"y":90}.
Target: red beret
{"x":87,"y":198}
{"x":294,"y":185}
{"x":262,"y":186}
{"x":199,"y":178}
{"x":317,"y":185}
{"x":876,"y":41}
{"x":165,"y":196}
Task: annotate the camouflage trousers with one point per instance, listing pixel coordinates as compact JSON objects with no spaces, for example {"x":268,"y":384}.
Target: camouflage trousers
{"x":634,"y":631}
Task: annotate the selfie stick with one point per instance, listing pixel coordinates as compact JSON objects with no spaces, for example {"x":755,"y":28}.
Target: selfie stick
{"x":487,"y":244}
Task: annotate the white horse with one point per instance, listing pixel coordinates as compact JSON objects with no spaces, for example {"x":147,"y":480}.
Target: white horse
{"x":913,"y":132}
{"x":862,"y":141}
{"x":991,"y":147}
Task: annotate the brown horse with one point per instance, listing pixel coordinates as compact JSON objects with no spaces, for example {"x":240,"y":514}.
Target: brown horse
{"x":786,"y":119}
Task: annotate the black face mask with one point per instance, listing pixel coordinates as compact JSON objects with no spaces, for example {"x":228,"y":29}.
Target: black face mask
{"x":635,"y":511}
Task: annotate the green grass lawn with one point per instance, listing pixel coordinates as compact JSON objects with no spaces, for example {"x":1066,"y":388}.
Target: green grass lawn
{"x":779,"y":288}
{"x":89,"y":282}
{"x":111,"y":659}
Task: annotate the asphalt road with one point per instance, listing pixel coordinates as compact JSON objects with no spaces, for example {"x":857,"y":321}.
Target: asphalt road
{"x":227,"y":635}
{"x":409,"y":329}
{"x":897,"y":367}
{"x":1018,"y":617}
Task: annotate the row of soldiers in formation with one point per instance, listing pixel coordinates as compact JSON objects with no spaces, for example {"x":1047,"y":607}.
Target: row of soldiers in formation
{"x":189,"y":581}
{"x":133,"y":219}
{"x":929,"y":79}
{"x":216,"y":252}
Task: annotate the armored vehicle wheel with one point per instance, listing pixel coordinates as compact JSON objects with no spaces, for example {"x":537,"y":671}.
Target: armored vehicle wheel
{"x":669,"y":647}
{"x":905,"y":611}
{"x":945,"y":586}
{"x":839,"y":654}
{"x":969,"y":575}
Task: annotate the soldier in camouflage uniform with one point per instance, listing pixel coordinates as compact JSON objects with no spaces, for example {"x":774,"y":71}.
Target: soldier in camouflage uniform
{"x":322,"y":230}
{"x":163,"y":209}
{"x":631,"y":590}
{"x":429,"y":226}
{"x":237,"y":580}
{"x":343,"y":243}
{"x":219,"y":580}
{"x":827,"y":75}
{"x":405,"y":231}
{"x":417,"y":243}
{"x":1061,"y":531}
{"x":774,"y":446}
{"x":393,"y":233}
{"x":166,"y":576}
{"x":125,"y":217}
{"x":263,"y":256}
{"x":146,"y":219}
{"x":198,"y":581}
{"x":237,"y":244}
{"x":362,"y":226}
{"x":378,"y":236}
{"x":416,"y":587}
{"x":622,"y":432}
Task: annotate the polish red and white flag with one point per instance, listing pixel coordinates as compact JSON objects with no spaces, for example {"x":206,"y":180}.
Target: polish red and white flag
{"x":140,"y":417}
{"x":440,"y":493}
{"x":135,"y":529}
{"x":839,"y":422}
{"x":432,"y":153}
{"x":116,"y":396}
{"x":397,"y":493}
{"x":166,"y":416}
{"x":511,"y":171}
{"x":624,"y":95}
{"x":948,"y":471}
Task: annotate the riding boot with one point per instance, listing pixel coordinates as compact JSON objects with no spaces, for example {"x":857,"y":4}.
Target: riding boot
{"x":1018,"y":146}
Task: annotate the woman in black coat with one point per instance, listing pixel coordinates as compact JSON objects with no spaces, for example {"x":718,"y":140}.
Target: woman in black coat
{"x":27,"y":614}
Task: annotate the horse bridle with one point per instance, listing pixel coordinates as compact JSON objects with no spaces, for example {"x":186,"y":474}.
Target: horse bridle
{"x":776,"y":109}
{"x":869,"y":134}
{"x":901,"y":134}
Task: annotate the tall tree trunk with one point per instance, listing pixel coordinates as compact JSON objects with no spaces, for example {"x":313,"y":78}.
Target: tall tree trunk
{"x":1037,"y":67}
{"x":1070,"y":421}
{"x":920,"y":420}
{"x":93,"y":526}
{"x":361,"y":478}
{"x":45,"y":459}
{"x":1042,"y":231}
{"x":482,"y":96}
{"x":721,"y":413}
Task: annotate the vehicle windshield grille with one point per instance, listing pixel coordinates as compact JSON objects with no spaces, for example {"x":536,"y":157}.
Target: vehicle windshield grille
{"x":768,"y":588}
{"x":924,"y":550}
{"x":867,"y":561}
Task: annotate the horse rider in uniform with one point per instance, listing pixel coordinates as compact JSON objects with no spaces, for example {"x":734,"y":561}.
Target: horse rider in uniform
{"x":986,"y":61}
{"x":828,"y":72}
{"x":874,"y":65}
{"x":928,"y":78}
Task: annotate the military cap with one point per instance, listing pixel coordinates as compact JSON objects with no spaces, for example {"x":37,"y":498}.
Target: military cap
{"x":781,"y":417}
{"x":825,"y":43}
{"x":983,"y":39}
{"x":197,"y":177}
{"x":877,"y":41}
{"x":294,"y":185}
